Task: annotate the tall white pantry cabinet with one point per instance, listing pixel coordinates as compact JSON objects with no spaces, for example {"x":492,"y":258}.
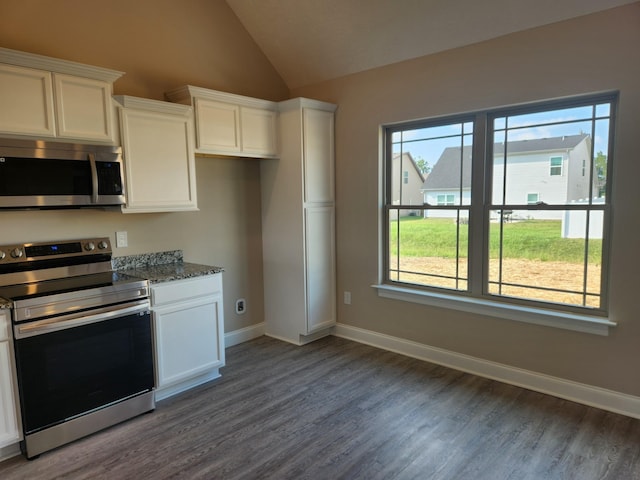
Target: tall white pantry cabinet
{"x":298,"y":224}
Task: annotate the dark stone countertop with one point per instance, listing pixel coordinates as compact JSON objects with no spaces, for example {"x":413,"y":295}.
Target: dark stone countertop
{"x":161,"y":266}
{"x":171,"y":271}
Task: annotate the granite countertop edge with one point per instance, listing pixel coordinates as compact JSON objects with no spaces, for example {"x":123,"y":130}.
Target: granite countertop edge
{"x":171,"y":271}
{"x":162,"y":267}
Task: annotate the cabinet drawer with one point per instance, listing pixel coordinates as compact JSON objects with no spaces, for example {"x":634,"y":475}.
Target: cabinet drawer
{"x":4,"y":326}
{"x":179,"y":290}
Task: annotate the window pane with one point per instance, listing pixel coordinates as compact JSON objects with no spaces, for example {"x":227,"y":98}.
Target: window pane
{"x":434,"y":132}
{"x":450,"y":177}
{"x":603,"y":110}
{"x":600,"y":151}
{"x":533,"y":198}
{"x":430,"y":251}
{"x":546,"y":152}
{"x":406,"y":180}
{"x":432,"y":161}
{"x":547,"y":259}
{"x":555,"y":164}
{"x":549,"y":117}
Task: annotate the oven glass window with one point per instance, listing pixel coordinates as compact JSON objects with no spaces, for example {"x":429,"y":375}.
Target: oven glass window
{"x":67,"y":373}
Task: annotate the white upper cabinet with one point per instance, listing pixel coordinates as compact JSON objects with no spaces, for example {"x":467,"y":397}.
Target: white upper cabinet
{"x":259,"y":132}
{"x":51,"y":98}
{"x":26,"y":101}
{"x":217,"y":126}
{"x":231,"y":125}
{"x":318,"y":157}
{"x":84,"y":108}
{"x":157,"y":144}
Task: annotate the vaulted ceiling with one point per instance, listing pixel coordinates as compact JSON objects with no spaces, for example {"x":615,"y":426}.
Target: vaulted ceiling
{"x":309,"y":41}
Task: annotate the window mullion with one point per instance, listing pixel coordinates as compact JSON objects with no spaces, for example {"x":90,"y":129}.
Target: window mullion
{"x":478,"y":216}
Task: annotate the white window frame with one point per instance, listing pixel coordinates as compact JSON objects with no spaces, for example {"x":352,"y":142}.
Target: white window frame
{"x":476,"y":300}
{"x":448,"y":199}
{"x":553,"y":167}
{"x":533,"y":202}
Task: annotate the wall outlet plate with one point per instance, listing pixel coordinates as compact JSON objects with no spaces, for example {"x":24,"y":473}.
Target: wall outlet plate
{"x":241,"y":306}
{"x":121,"y":239}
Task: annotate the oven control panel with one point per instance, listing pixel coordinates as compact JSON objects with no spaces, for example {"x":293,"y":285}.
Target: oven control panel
{"x":34,"y":252}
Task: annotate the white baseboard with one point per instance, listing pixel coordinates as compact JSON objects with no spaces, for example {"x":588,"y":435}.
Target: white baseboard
{"x":9,"y":451}
{"x":604,"y":399}
{"x":243,"y":335}
{"x":166,"y":392}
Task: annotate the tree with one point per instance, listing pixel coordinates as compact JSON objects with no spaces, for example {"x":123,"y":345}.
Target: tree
{"x":600,"y":174}
{"x":423,"y":165}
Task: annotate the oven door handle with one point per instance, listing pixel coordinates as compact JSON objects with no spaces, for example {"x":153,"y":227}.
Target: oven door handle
{"x":64,"y":322}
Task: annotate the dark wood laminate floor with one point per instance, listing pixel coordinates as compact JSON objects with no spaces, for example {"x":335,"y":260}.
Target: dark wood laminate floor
{"x":336,"y":409}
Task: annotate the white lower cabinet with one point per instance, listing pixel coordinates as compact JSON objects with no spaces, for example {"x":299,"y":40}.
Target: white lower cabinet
{"x":9,"y":431}
{"x":188,"y":332}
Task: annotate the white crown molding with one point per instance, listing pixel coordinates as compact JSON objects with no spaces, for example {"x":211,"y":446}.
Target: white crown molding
{"x":158,"y":106}
{"x":186,"y":93}
{"x":41,"y":62}
{"x":604,"y":399}
{"x":301,"y":102}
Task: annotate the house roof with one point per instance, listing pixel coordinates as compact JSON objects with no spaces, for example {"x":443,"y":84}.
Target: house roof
{"x":541,"y":144}
{"x":446,"y":171}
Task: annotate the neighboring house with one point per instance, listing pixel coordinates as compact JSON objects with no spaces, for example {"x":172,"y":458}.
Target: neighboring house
{"x":406,"y":183}
{"x":550,"y":170}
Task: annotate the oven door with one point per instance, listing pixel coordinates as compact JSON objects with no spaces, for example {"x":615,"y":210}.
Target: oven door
{"x":75,"y":364}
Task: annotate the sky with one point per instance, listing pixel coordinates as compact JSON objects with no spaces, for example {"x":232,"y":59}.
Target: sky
{"x":429,"y":143}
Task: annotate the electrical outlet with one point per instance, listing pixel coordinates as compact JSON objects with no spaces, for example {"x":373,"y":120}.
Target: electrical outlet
{"x":121,"y":239}
{"x":241,"y":306}
{"x":347,"y":298}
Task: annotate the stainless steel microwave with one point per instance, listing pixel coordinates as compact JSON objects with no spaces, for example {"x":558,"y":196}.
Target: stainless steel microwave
{"x":41,"y":174}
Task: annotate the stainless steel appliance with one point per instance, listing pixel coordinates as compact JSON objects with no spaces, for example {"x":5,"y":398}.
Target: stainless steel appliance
{"x":39,"y":174}
{"x":82,"y":340}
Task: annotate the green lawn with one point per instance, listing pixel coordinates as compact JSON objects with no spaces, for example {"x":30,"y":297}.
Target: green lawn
{"x":532,"y":239}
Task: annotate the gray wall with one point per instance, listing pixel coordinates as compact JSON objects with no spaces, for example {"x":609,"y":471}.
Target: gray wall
{"x":589,"y":54}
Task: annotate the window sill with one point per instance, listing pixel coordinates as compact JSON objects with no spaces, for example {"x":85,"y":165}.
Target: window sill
{"x":538,"y":316}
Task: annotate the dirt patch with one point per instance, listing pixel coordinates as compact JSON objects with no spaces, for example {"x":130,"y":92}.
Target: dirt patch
{"x":530,"y":277}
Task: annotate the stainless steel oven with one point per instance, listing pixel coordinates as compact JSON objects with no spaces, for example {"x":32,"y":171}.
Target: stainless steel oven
{"x":82,"y":340}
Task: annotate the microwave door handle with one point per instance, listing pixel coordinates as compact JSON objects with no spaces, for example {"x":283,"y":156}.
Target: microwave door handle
{"x":94,"y":178}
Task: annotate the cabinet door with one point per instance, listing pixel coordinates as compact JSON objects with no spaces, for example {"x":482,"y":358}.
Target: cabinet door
{"x":188,"y":339}
{"x":320,"y":268}
{"x":159,"y":161}
{"x":318,"y":155}
{"x":259,"y":134}
{"x":26,"y":101}
{"x":217,"y":126}
{"x":8,"y":420}
{"x":83,"y":108}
